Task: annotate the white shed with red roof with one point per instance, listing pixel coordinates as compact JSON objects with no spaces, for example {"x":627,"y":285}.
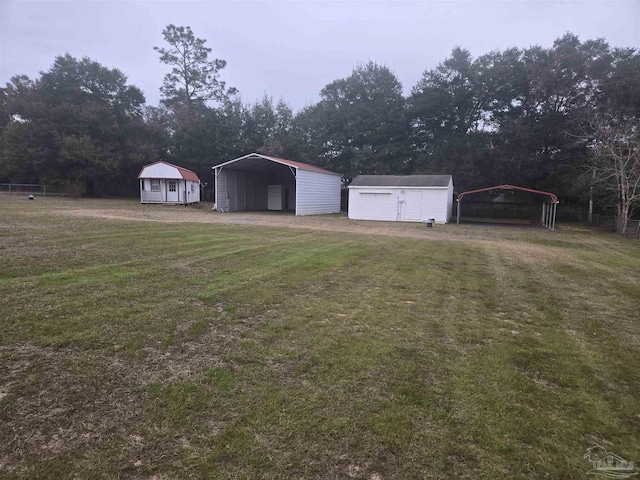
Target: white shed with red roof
{"x":163,"y":182}
{"x":258,"y":182}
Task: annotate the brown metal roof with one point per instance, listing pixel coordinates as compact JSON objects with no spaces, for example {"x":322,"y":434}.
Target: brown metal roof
{"x":184,"y":172}
{"x":303,"y":166}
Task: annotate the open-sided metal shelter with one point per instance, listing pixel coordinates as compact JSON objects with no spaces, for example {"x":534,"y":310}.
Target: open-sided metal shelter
{"x":549,"y":206}
{"x":258,"y":182}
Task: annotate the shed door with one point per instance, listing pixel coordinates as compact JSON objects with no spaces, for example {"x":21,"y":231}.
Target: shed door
{"x":413,"y":206}
{"x":172,"y":190}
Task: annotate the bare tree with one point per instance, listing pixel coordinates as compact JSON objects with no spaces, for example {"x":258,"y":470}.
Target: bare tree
{"x":614,"y":165}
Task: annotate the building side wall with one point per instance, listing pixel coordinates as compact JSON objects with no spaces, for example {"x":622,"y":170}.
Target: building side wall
{"x":163,"y":196}
{"x":194,"y":189}
{"x":450,"y":200}
{"x":317,"y":193}
{"x":435,"y":205}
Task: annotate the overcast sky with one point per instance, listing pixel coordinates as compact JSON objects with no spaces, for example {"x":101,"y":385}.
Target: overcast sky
{"x":291,"y":49}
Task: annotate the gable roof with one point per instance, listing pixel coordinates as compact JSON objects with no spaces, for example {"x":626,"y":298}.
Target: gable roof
{"x":282,"y":161}
{"x":553,"y":196}
{"x":185,"y":173}
{"x":401,"y":181}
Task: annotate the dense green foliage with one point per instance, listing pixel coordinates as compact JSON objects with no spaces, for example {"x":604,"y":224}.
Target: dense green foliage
{"x":524,"y":116}
{"x":78,"y":124}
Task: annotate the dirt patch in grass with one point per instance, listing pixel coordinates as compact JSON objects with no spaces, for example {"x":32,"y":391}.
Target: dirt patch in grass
{"x":128,"y":210}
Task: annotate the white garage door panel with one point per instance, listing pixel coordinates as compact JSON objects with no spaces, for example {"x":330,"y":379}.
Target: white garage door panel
{"x":373,"y":205}
{"x":377,"y":202}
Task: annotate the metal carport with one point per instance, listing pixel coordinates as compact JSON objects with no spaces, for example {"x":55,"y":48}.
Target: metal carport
{"x":257,"y":182}
{"x":549,"y":208}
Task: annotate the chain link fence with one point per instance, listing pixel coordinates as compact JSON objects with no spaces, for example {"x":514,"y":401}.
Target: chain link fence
{"x":632,"y":229}
{"x":24,"y":189}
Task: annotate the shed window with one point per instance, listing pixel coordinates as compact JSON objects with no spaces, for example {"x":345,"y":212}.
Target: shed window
{"x":375,"y":194}
{"x":155,"y":185}
{"x":172,"y":185}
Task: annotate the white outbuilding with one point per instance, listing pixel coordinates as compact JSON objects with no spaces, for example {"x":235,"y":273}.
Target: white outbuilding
{"x":406,"y":198}
{"x":257,"y":182}
{"x":163,"y":182}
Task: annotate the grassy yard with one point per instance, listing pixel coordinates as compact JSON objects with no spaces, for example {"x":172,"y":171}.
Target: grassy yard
{"x":159,"y":350}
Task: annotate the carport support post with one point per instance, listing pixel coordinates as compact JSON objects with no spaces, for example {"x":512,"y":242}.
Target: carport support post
{"x":458,"y":212}
{"x":549,"y":212}
{"x":215,"y":189}
{"x":548,"y":220}
{"x":544,"y":204}
{"x":553,"y":222}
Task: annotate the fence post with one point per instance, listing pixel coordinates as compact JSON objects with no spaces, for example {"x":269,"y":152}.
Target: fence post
{"x":44,"y":190}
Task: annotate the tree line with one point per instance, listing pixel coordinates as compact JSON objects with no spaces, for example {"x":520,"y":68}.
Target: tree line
{"x":553,"y":118}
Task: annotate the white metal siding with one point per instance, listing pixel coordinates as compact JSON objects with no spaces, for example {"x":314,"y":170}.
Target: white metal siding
{"x":399,"y":204}
{"x":317,"y":193}
{"x":449,"y":200}
{"x":193,"y":192}
{"x":412,"y":206}
{"x":434,"y":204}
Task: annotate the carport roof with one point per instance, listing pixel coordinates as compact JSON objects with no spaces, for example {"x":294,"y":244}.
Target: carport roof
{"x":401,"y":181}
{"x":552,"y":196}
{"x":282,"y":161}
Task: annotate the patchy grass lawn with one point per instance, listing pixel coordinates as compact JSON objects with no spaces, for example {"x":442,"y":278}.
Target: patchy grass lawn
{"x":182,"y":350}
